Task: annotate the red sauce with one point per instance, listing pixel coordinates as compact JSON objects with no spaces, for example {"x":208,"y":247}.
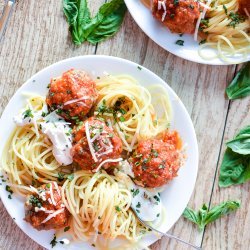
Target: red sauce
{"x":244,"y":4}
{"x":72,"y":85}
{"x":181,"y":16}
{"x":36,"y":218}
{"x":157,"y":161}
{"x":81,"y":153}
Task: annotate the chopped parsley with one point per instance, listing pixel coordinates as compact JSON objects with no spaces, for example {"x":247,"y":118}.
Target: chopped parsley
{"x":157,"y":215}
{"x":236,"y":19}
{"x":138,"y":205}
{"x":34,"y":201}
{"x":161,"y":166}
{"x":137,"y":210}
{"x":225,"y":8}
{"x":8,"y":189}
{"x":180,"y":42}
{"x":66,"y":229}
{"x":60,"y":177}
{"x":135,"y":192}
{"x":191,"y":6}
{"x":204,"y":24}
{"x":122,"y":119}
{"x":138,"y":67}
{"x":70,"y":177}
{"x":157,"y":198}
{"x":53,"y":242}
{"x":28,"y":113}
{"x":154,"y":152}
{"x":44,"y":114}
{"x":202,"y":41}
{"x":176,"y":2}
{"x":117,"y":208}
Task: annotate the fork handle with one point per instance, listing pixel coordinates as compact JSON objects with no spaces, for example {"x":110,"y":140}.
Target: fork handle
{"x":5,"y":17}
{"x":180,"y":240}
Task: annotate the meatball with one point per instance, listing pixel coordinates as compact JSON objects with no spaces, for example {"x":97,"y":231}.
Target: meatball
{"x":157,"y":161}
{"x":103,"y":144}
{"x":180,"y":16}
{"x":72,"y":95}
{"x":44,"y":209}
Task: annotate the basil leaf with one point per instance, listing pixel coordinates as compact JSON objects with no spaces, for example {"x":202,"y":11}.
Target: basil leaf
{"x":235,"y":169}
{"x":191,"y":215}
{"x":106,"y":22}
{"x":203,"y":214}
{"x":240,"y":86}
{"x":241,"y":143}
{"x":84,"y":28}
{"x":78,"y":16}
{"x":221,"y":210}
{"x":204,"y":217}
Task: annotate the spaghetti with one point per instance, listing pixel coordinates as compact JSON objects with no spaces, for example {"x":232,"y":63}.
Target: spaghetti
{"x":96,"y":205}
{"x":227,"y":31}
{"x":100,"y":206}
{"x":128,"y":107}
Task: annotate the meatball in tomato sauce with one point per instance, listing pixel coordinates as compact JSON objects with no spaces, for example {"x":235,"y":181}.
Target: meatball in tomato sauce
{"x":72,"y":95}
{"x":157,"y":161}
{"x":44,"y":209}
{"x":93,"y":143}
{"x":180,"y":16}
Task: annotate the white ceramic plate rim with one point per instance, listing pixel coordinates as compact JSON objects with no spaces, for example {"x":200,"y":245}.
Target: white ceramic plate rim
{"x":164,"y":38}
{"x":44,"y":237}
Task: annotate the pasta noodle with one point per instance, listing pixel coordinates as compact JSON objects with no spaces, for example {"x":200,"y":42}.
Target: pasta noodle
{"x":140,"y":121}
{"x":231,"y":40}
{"x":100,"y":206}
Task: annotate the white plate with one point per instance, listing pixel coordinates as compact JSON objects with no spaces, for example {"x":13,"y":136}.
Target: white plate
{"x":177,"y":193}
{"x":164,"y":38}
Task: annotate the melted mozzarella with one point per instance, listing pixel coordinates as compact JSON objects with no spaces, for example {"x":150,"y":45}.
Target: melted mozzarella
{"x":58,"y":133}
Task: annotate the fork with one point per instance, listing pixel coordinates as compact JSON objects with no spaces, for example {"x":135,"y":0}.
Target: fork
{"x":165,"y":234}
{"x":5,"y":16}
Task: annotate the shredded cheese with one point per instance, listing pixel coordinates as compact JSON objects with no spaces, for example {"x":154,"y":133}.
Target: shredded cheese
{"x":76,"y":100}
{"x":202,"y":15}
{"x":108,"y":160}
{"x":247,"y":13}
{"x":34,"y":190}
{"x":164,"y":5}
{"x":204,"y":5}
{"x":57,"y":188}
{"x":53,"y":215}
{"x":92,"y":151}
{"x":159,"y":5}
{"x":163,"y":16}
{"x":52,"y":194}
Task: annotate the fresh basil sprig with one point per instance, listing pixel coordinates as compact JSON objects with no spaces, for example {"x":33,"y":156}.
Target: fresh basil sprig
{"x":240,"y":86}
{"x":235,"y":166}
{"x":85,"y":28}
{"x":204,"y":217}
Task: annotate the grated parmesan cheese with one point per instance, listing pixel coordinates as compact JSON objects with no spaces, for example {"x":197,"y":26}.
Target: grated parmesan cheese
{"x":54,"y":214}
{"x":108,"y":160}
{"x":91,"y":148}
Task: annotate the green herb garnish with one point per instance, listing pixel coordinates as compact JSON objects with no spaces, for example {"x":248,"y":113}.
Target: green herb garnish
{"x":235,"y":166}
{"x":204,"y":217}
{"x":83,"y":27}
{"x":53,"y":242}
{"x":180,"y":42}
{"x":27,"y":113}
{"x":240,"y":85}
